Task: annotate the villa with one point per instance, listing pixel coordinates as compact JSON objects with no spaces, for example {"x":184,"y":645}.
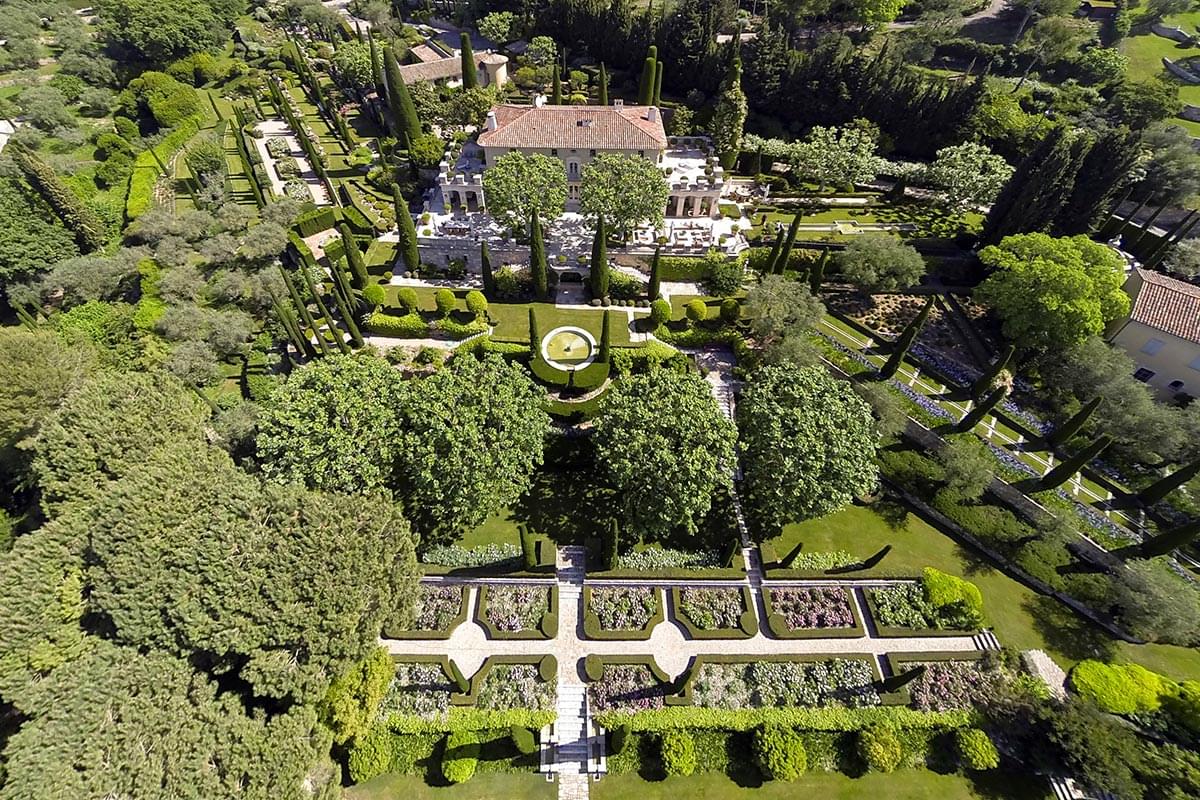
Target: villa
{"x":1162,"y":333}
{"x":577,"y":134}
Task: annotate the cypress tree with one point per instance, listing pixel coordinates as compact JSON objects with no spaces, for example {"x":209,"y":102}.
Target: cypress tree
{"x":345,"y":303}
{"x":376,"y":71}
{"x":470,"y":80}
{"x":406,"y":231}
{"x":773,"y":256}
{"x":358,"y":267}
{"x":1164,"y":543}
{"x":981,"y":409}
{"x":817,"y":276}
{"x":598,"y":275}
{"x":341,"y":280}
{"x":755,"y":166}
{"x":1063,"y":433}
{"x":302,"y":309}
{"x":984,"y":381}
{"x":785,"y":254}
{"x":1101,"y":179}
{"x":904,"y":341}
{"x":1068,"y":467}
{"x":535,"y":337}
{"x":537,"y":258}
{"x":288,"y":319}
{"x":405,"y":121}
{"x":1164,"y":486}
{"x":646,"y":85}
{"x":612,"y":542}
{"x":556,"y":90}
{"x":605,"y":339}
{"x":324,"y":309}
{"x":75,"y":216}
{"x":1040,"y":188}
{"x":658,"y":76}
{"x":485,"y":268}
{"x":603,"y":98}
{"x":653,"y":288}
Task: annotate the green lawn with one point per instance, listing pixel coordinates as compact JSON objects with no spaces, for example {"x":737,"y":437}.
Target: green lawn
{"x":1021,"y":618}
{"x":481,"y":787}
{"x":1147,"y":50}
{"x":903,"y":785}
{"x":512,"y":321}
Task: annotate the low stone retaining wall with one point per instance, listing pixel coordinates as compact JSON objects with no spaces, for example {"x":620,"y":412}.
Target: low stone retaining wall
{"x":1185,"y":75}
{"x":1176,"y":34}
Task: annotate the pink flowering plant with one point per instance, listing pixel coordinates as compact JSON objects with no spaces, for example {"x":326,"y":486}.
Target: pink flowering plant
{"x":765,"y":684}
{"x":626,"y":687}
{"x":417,"y":689}
{"x":621,"y":608}
{"x":711,"y":609}
{"x":511,"y":686}
{"x":437,"y":606}
{"x":517,"y":608}
{"x":813,"y":607}
{"x":947,"y":685}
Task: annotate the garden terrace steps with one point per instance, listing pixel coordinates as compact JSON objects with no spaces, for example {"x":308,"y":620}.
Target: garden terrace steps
{"x":986,"y":640}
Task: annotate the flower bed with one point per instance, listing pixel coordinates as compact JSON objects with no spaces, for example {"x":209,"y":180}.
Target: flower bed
{"x":509,"y":686}
{"x":516,"y":608}
{"x":712,"y":609}
{"x":759,"y":684}
{"x":814,"y":607}
{"x":902,"y":606}
{"x":437,"y":607}
{"x":626,"y":687}
{"x":417,"y":689}
{"x":489,"y":555}
{"x":950,"y":685}
{"x":659,"y":558}
{"x":620,"y":608}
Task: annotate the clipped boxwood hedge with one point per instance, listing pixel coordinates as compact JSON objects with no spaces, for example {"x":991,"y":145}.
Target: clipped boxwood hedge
{"x":459,"y":618}
{"x":747,"y":623}
{"x":591,"y":376}
{"x":591,"y":623}
{"x":547,"y":628}
{"x":552,"y":376}
{"x":833,"y":718}
{"x":316,"y":221}
{"x":409,"y":326}
{"x":593,"y":670}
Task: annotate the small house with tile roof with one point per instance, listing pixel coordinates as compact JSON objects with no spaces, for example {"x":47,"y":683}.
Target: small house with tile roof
{"x":1162,"y":333}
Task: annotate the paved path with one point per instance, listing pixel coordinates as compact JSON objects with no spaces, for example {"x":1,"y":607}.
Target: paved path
{"x":278,"y":128}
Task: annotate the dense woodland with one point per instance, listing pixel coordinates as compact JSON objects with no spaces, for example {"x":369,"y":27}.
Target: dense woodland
{"x":206,"y":521}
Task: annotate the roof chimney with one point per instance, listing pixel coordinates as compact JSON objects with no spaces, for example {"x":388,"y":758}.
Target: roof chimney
{"x":539,"y":101}
{"x":652,"y":113}
{"x":491,"y":121}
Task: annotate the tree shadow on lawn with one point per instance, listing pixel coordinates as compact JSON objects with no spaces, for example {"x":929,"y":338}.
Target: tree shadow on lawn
{"x":566,"y":500}
{"x":1075,"y":638}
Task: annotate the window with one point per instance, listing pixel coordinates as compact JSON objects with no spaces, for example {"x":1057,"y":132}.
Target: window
{"x":1152,"y":347}
{"x":592,"y":153}
{"x":1175,"y":386}
{"x":1143,"y":374}
{"x":1195,"y":363}
{"x":641,"y":153}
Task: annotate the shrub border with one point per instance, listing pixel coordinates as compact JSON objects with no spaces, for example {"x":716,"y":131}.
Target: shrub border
{"x":779,"y":627}
{"x":648,"y":661}
{"x":684,"y":696}
{"x":547,"y":627}
{"x":835,"y":719}
{"x":747,"y":626}
{"x":591,"y":622}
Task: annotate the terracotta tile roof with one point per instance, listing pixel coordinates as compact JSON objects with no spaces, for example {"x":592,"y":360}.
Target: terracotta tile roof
{"x":1168,"y":304}
{"x":440,"y":70}
{"x":576,"y":127}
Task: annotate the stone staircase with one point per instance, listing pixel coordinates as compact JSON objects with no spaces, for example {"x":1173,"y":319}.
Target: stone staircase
{"x":571,"y":731}
{"x":986,"y":640}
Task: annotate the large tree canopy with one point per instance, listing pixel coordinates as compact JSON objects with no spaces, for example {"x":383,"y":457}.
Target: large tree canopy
{"x":808,"y":445}
{"x":1053,"y":292}
{"x":164,"y":30}
{"x":666,"y":446}
{"x":119,"y":723}
{"x":880,"y":262}
{"x":472,"y":437}
{"x":517,"y":184}
{"x":970,"y":174}
{"x":625,"y":190}
{"x":333,"y":426}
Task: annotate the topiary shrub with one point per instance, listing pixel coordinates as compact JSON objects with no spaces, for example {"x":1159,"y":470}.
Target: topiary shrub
{"x":678,"y":751}
{"x":523,"y":739}
{"x":445,"y":301}
{"x":731,"y":311}
{"x":975,"y":750}
{"x":660,"y":312}
{"x":460,"y":757}
{"x":593,"y":668}
{"x":548,"y":668}
{"x":477,"y":304}
{"x":879,"y":748}
{"x":460,"y":680}
{"x":618,"y":738}
{"x":374,"y":294}
{"x":779,"y":752}
{"x":697,"y":311}
{"x":954,"y":597}
{"x":1118,"y":688}
{"x":407,"y":297}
